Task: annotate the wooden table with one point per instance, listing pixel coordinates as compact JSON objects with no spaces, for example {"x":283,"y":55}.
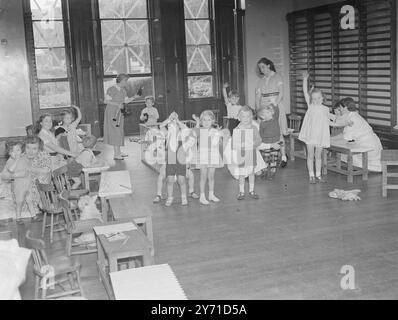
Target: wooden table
{"x":147,"y":283}
{"x":114,"y":184}
{"x":91,"y":171}
{"x":109,"y":252}
{"x":127,"y":209}
{"x":339,"y":146}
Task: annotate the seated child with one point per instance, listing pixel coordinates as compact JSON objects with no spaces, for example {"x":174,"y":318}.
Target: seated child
{"x":270,"y":134}
{"x":69,"y":123}
{"x":16,"y":172}
{"x":149,"y":115}
{"x":62,"y":137}
{"x":86,"y":159}
{"x":231,"y":101}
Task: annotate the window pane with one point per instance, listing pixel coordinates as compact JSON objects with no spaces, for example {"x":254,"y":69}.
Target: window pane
{"x":46,"y":9}
{"x":200,"y":86}
{"x":111,"y":9}
{"x":54,"y":94}
{"x":133,"y":58}
{"x":50,"y":63}
{"x":133,"y":85}
{"x":199,"y":58}
{"x":194,"y":9}
{"x":197,"y":32}
{"x":48,"y":34}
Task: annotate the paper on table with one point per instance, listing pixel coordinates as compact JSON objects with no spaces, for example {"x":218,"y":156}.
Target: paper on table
{"x":156,"y":282}
{"x":114,"y":228}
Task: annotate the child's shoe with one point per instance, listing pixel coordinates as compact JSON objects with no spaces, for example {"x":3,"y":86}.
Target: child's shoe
{"x":169,"y":202}
{"x":213,"y":198}
{"x":203,"y":200}
{"x":312,"y":180}
{"x":241,"y":196}
{"x":157,"y":199}
{"x":184,"y":201}
{"x":253,"y":195}
{"x":320,"y":179}
{"x":193,"y":195}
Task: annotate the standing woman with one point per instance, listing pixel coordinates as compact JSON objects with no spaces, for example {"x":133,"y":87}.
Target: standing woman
{"x":269,"y":90}
{"x":115,"y":97}
{"x":44,"y":132}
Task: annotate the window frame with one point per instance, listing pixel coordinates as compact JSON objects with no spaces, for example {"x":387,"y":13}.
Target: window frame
{"x":101,"y":76}
{"x":213,"y":50}
{"x":31,"y":58}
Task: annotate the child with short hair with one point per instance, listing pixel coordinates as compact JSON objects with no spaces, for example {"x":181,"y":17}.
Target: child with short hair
{"x":16,"y":172}
{"x":69,"y":123}
{"x":231,"y":101}
{"x":271,"y":139}
{"x":149,"y":115}
{"x":246,"y":138}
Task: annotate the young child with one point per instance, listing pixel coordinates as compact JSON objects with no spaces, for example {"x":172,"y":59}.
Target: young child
{"x":62,"y":138}
{"x":86,"y":159}
{"x":70,"y":125}
{"x":175,"y":157}
{"x":315,"y":130}
{"x":209,"y":139}
{"x":231,"y":101}
{"x":16,"y":172}
{"x":270,"y":134}
{"x":246,"y":138}
{"x":149,"y":115}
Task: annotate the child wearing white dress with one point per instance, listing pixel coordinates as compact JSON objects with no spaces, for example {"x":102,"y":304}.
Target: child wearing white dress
{"x":315,"y":130}
{"x":69,"y":123}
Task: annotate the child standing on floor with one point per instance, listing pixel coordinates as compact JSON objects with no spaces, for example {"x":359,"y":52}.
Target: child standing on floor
{"x":315,"y":130}
{"x":231,"y":101}
{"x":175,"y":157}
{"x":149,"y":115}
{"x":16,"y":172}
{"x":209,"y":139}
{"x":271,"y":138}
{"x":69,"y":123}
{"x":245,"y":140}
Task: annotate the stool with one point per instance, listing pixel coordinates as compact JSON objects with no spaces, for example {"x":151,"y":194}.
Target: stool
{"x":388,"y":158}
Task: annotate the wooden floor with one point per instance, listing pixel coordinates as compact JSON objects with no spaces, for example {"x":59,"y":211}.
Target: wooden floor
{"x":290,"y":244}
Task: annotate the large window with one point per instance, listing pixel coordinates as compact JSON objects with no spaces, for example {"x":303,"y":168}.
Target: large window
{"x":49,"y":54}
{"x":358,"y":63}
{"x":126,"y":43}
{"x":198,"y":48}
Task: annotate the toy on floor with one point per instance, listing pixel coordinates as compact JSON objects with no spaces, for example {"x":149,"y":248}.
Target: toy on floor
{"x":349,"y":195}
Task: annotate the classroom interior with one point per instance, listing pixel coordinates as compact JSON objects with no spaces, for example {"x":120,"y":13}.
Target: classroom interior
{"x":295,"y":242}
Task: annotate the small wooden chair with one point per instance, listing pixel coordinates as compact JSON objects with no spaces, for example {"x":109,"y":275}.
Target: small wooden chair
{"x":51,"y":207}
{"x":75,"y":228}
{"x":61,"y":181}
{"x":45,"y":281}
{"x":388,"y":158}
{"x":294,"y":122}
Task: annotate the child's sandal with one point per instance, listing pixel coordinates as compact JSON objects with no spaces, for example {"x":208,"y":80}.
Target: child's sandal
{"x":254,"y":195}
{"x":169,"y":202}
{"x":240,"y":196}
{"x":157,"y":199}
{"x":194,"y":195}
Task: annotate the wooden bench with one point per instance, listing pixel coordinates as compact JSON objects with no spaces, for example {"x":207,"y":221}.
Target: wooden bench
{"x":339,"y":146}
{"x":388,"y":158}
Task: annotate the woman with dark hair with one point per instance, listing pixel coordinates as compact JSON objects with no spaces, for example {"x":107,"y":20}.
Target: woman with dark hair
{"x":356,"y":129}
{"x":115,"y":97}
{"x":269,"y":91}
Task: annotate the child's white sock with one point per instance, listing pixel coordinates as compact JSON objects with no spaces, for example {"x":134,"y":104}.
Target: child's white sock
{"x":284,"y":158}
{"x":203,"y":199}
{"x":212,"y":197}
{"x":251,"y":187}
{"x":318,"y":174}
{"x":242,"y":188}
{"x":184,"y":200}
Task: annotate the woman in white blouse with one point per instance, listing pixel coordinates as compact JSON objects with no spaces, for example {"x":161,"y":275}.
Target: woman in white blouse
{"x":50,"y":142}
{"x":357,"y":129}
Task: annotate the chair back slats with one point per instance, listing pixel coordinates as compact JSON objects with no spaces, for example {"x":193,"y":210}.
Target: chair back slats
{"x":294,"y":122}
{"x":48,"y":196}
{"x":61,"y":179}
{"x":38,"y":252}
{"x":65,"y":204}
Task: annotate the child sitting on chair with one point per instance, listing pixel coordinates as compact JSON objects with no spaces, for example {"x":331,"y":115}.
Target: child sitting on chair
{"x":270,"y":134}
{"x":149,"y":115}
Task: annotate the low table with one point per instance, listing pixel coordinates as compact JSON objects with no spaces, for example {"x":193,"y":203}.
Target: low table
{"x":114,"y":184}
{"x":126,"y":209}
{"x":91,"y":171}
{"x":147,"y":283}
{"x":339,"y":146}
{"x":136,"y":245}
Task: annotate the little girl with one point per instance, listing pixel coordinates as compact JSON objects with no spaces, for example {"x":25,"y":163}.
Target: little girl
{"x":70,"y":125}
{"x":271,"y":138}
{"x":231,"y":101}
{"x":209,"y":139}
{"x":315,"y":130}
{"x":16,"y":172}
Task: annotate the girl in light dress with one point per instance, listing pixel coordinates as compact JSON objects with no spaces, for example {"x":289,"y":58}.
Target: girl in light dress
{"x":315,"y":130}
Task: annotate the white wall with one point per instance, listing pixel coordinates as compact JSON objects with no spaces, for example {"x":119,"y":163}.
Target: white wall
{"x":15,"y":105}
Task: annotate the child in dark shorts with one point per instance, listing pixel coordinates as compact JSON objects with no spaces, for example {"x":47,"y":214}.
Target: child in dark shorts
{"x":177,"y":132}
